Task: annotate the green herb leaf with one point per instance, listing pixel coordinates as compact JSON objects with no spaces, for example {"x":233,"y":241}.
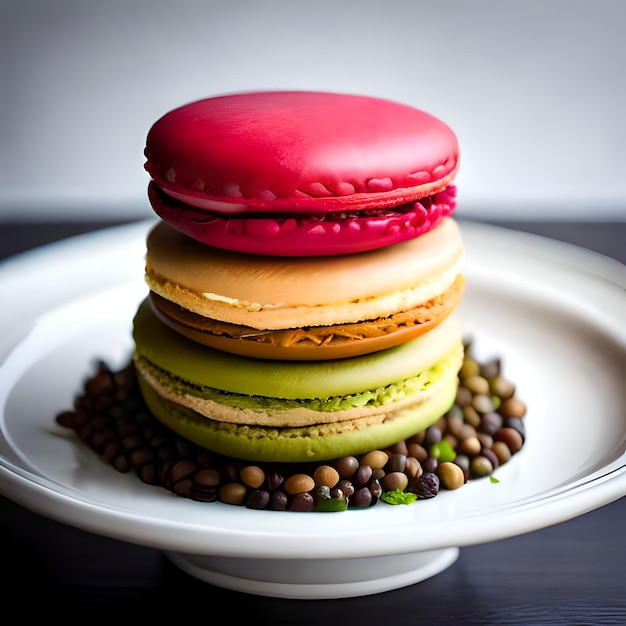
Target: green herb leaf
{"x":331,"y":505}
{"x":397,"y":496}
{"x":493,"y":479}
{"x":442,"y":451}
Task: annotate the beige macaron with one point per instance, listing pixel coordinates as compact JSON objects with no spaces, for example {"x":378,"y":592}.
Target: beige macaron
{"x":305,"y":308}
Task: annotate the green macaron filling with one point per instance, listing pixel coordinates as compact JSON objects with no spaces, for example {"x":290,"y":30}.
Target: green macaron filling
{"x":380,"y":396}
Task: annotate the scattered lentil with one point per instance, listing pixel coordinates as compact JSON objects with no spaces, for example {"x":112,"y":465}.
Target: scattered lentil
{"x":450,"y":475}
{"x":252,"y":476}
{"x":326,"y":475}
{"x":376,"y":459}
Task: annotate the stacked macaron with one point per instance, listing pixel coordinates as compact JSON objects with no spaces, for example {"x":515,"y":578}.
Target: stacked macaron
{"x":303,"y":276}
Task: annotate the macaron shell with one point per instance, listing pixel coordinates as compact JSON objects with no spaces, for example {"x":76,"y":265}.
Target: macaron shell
{"x":295,"y":445}
{"x":271,"y":293}
{"x":314,"y":235}
{"x":205,"y":366}
{"x":302,"y":150}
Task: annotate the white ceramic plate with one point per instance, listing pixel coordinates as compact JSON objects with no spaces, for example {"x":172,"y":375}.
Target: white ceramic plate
{"x":553,"y":313}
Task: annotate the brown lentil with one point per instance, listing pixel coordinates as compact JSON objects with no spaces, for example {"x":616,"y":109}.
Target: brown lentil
{"x":501,"y":387}
{"x":469,"y":368}
{"x":363,"y":476}
{"x":346,"y":466}
{"x":233,"y":493}
{"x":485,"y":439}
{"x":463,"y":461}
{"x":470,"y":446}
{"x":413,"y":469}
{"x":301,"y":502}
{"x":299,"y":483}
{"x":258,"y":499}
{"x":482,"y":403}
{"x":511,"y":437}
{"x":361,"y":498}
{"x":433,"y":435}
{"x":489,"y":454}
{"x":207,"y":478}
{"x":326,"y":475}
{"x":463,"y":397}
{"x":490,"y":369}
{"x":417,"y":451}
{"x":477,"y":385}
{"x":376,"y":459}
{"x":450,"y":475}
{"x":480,"y":466}
{"x":396,"y":463}
{"x":517,"y":423}
{"x":501,"y":450}
{"x":512,"y":407}
{"x":394,"y":480}
{"x":491,"y":421}
{"x":252,"y":476}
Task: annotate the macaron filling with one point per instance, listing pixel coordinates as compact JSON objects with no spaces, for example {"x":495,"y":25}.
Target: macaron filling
{"x":301,"y":234}
{"x":269,"y":411}
{"x":311,"y":342}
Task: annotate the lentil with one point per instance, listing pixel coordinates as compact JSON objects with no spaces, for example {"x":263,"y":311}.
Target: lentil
{"x":477,"y":385}
{"x":301,"y":503}
{"x":501,"y":450}
{"x":463,"y":461}
{"x":258,"y":499}
{"x":326,"y":475}
{"x":233,"y":493}
{"x":252,"y":476}
{"x":511,"y":437}
{"x":413,"y":468}
{"x":450,"y":475}
{"x":394,"y":480}
{"x":501,"y":387}
{"x":396,"y":463}
{"x":298,"y":484}
{"x":346,"y":466}
{"x":376,"y":459}
{"x":480,"y":466}
{"x":513,"y":407}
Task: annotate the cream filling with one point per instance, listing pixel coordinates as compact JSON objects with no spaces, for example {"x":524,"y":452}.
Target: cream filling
{"x":206,"y":203}
{"x":375,"y":404}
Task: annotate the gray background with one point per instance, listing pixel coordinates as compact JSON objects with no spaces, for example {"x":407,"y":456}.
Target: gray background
{"x":535,"y":91}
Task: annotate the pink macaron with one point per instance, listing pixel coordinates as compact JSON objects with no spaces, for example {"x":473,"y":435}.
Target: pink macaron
{"x":300,"y":173}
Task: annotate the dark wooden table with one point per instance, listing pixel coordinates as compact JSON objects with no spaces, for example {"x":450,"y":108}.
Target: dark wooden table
{"x":571,"y":573}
